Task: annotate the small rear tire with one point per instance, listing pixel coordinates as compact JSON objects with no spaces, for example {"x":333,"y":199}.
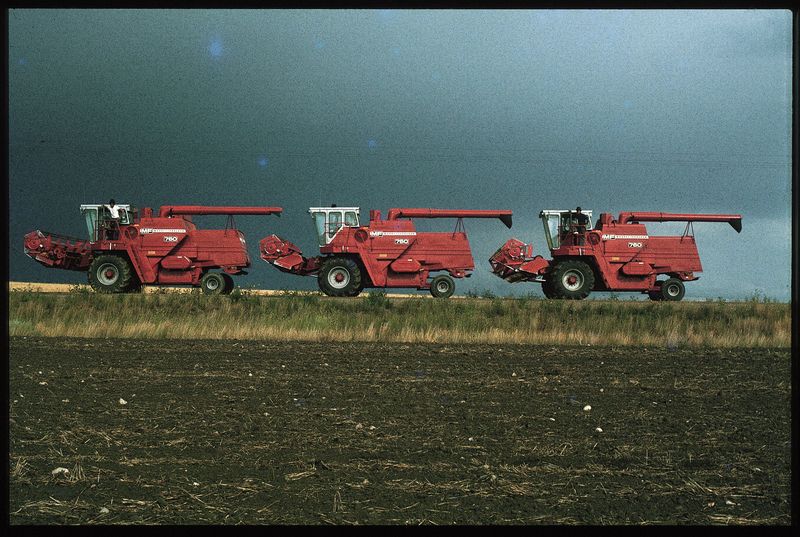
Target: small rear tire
{"x":655,"y":296}
{"x":443,"y":286}
{"x":212,"y":283}
{"x":229,"y":283}
{"x":672,"y":290}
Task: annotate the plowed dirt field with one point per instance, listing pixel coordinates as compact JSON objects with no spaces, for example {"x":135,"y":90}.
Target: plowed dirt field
{"x":203,"y":432}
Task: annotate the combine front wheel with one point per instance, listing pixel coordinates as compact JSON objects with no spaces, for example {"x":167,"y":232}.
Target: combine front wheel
{"x":110,"y":274}
{"x":212,"y":283}
{"x":547,"y":289}
{"x":135,"y":286}
{"x":355,"y":291}
{"x":443,"y":286}
{"x":672,"y":289}
{"x":572,"y":280}
{"x":340,"y":276}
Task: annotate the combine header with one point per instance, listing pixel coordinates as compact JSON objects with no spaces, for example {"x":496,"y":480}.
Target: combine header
{"x":615,"y":255}
{"x":123,"y":253}
{"x":384,"y":253}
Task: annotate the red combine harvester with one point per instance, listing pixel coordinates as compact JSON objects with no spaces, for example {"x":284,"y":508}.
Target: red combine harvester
{"x":385,"y":253}
{"x":168,"y":249}
{"x":615,"y":255}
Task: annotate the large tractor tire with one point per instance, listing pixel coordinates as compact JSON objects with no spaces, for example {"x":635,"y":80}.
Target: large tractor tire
{"x":572,"y":279}
{"x":443,"y":286}
{"x":229,"y":284}
{"x":672,"y":290}
{"x":212,"y":283}
{"x":547,"y":289}
{"x":111,"y":274}
{"x":355,"y":291}
{"x":340,"y":276}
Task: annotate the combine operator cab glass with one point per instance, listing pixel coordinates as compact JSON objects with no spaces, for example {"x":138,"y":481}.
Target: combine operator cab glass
{"x":329,"y":220}
{"x":557,"y":224}
{"x":98,"y":219}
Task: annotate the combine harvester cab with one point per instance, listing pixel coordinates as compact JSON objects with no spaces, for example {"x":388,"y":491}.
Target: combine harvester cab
{"x":614,"y":255}
{"x":383,"y":253}
{"x":123,"y":254}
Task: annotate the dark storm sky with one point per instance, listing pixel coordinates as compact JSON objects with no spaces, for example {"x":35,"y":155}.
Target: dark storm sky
{"x":682,"y":111}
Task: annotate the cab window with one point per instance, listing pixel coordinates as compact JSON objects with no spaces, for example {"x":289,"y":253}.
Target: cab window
{"x":334,"y":223}
{"x":91,"y":223}
{"x":319,"y":224}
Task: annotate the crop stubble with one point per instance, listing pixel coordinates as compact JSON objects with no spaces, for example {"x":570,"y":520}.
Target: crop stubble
{"x":369,"y":433}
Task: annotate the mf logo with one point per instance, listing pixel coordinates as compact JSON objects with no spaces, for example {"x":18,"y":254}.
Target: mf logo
{"x":634,"y":245}
{"x":401,"y":241}
{"x":170,"y":238}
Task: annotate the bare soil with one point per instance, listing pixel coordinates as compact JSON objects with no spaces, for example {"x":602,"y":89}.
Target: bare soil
{"x":209,"y":432}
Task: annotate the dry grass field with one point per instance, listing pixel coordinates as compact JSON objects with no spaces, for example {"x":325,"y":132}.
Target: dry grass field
{"x":378,"y":317}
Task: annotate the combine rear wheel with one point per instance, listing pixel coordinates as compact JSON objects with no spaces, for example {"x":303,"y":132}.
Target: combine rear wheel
{"x":212,"y":283}
{"x":340,"y":276}
{"x":110,"y":274}
{"x":229,"y":285}
{"x":672,"y":289}
{"x":443,"y":286}
{"x":572,"y":280}
{"x":656,"y":295}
